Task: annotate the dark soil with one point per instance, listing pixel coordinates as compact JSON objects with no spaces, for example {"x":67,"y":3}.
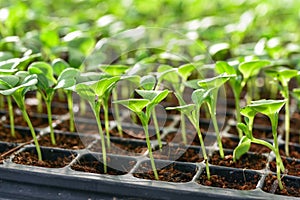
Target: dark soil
{"x":294,"y":152}
{"x":176,"y":137}
{"x":121,"y":148}
{"x":182,"y":154}
{"x":170,"y":173}
{"x":29,"y":158}
{"x":247,"y":161}
{"x":37,"y":122}
{"x":85,"y":128}
{"x":271,"y":186}
{"x":294,"y":136}
{"x":292,"y":167}
{"x":133,"y":133}
{"x":66,"y":141}
{"x":56,"y":110}
{"x":97,"y":167}
{"x":229,"y":143}
{"x":295,"y":121}
{"x":223,"y":182}
{"x":257,"y":133}
{"x":20,"y":137}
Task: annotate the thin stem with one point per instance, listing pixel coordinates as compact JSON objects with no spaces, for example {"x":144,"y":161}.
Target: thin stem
{"x":1,"y":101}
{"x":106,"y":122}
{"x":11,"y":116}
{"x":203,"y":151}
{"x":71,"y":112}
{"x":40,"y":105}
{"x":82,"y":107}
{"x":183,"y":128}
{"x":145,"y":125}
{"x":60,"y":93}
{"x":157,"y":131}
{"x":37,"y":146}
{"x":237,"y":112}
{"x":287,"y":121}
{"x":49,"y":112}
{"x":117,"y":111}
{"x":102,"y":139}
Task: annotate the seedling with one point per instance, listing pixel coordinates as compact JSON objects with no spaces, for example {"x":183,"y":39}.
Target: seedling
{"x":17,"y":86}
{"x":284,"y":75}
{"x":243,"y":73}
{"x":192,"y":111}
{"x":173,"y":75}
{"x":94,"y":92}
{"x":115,"y":70}
{"x":151,"y":99}
{"x":212,"y":86}
{"x":47,"y":85}
{"x":270,"y":108}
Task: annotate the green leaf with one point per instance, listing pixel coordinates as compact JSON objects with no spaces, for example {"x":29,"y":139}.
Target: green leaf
{"x":244,"y":129}
{"x":59,"y":65}
{"x":8,"y":81}
{"x":186,"y":70}
{"x":242,"y":148}
{"x":267,"y":107}
{"x":103,"y":85}
{"x":224,"y":67}
{"x":248,"y":112}
{"x":284,"y":75}
{"x":135,"y":105}
{"x":251,"y":68}
{"x":168,"y":73}
{"x":199,"y":96}
{"x":85,"y":92}
{"x":148,"y":82}
{"x":114,"y":70}
{"x":185,"y":109}
{"x":215,"y":82}
{"x":192,"y":84}
{"x":44,"y":73}
{"x":155,"y":97}
{"x":26,"y":84}
{"x":67,"y":78}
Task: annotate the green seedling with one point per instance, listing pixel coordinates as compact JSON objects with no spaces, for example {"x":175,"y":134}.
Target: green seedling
{"x":47,"y":85}
{"x":115,"y":70}
{"x":284,"y":75}
{"x":212,"y":86}
{"x":192,"y":112}
{"x":270,"y":108}
{"x":243,"y":73}
{"x":173,"y":76}
{"x":17,"y":86}
{"x":151,"y":99}
{"x":94,"y":92}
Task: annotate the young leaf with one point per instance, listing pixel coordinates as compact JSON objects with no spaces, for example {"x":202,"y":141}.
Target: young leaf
{"x":224,"y":67}
{"x":251,"y":68}
{"x":267,"y":107}
{"x":59,"y":65}
{"x":155,"y":97}
{"x":244,"y":129}
{"x":67,"y":78}
{"x":186,"y":109}
{"x":168,"y":73}
{"x":114,"y":70}
{"x":148,"y":82}
{"x":242,"y":148}
{"x":199,"y":95}
{"x":8,"y":81}
{"x":85,"y":92}
{"x":103,"y":85}
{"x":135,"y":105}
{"x":215,"y":82}
{"x":186,"y":70}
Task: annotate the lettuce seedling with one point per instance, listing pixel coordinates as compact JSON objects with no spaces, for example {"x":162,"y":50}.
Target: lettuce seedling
{"x":284,"y":75}
{"x":270,"y":108}
{"x":192,"y":112}
{"x":94,"y":92}
{"x":151,"y":99}
{"x":212,"y":86}
{"x":17,"y":86}
{"x":47,"y":85}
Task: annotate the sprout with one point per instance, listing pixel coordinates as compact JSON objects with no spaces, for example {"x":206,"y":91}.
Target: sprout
{"x":284,"y":76}
{"x":151,"y":99}
{"x":270,"y":108}
{"x":192,"y":111}
{"x":17,"y":86}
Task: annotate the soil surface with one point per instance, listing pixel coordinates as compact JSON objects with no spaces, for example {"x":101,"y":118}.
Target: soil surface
{"x":292,"y":167}
{"x":121,"y":148}
{"x":97,"y":167}
{"x":229,"y":143}
{"x":169,"y":173}
{"x":133,"y":133}
{"x":247,"y":161}
{"x":192,"y":138}
{"x":85,"y":128}
{"x":20,"y":137}
{"x":66,"y":141}
{"x":37,"y":122}
{"x":29,"y":158}
{"x":271,"y":186}
{"x":182,"y":154}
{"x":223,"y":182}
{"x":257,"y":133}
{"x":294,"y":152}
